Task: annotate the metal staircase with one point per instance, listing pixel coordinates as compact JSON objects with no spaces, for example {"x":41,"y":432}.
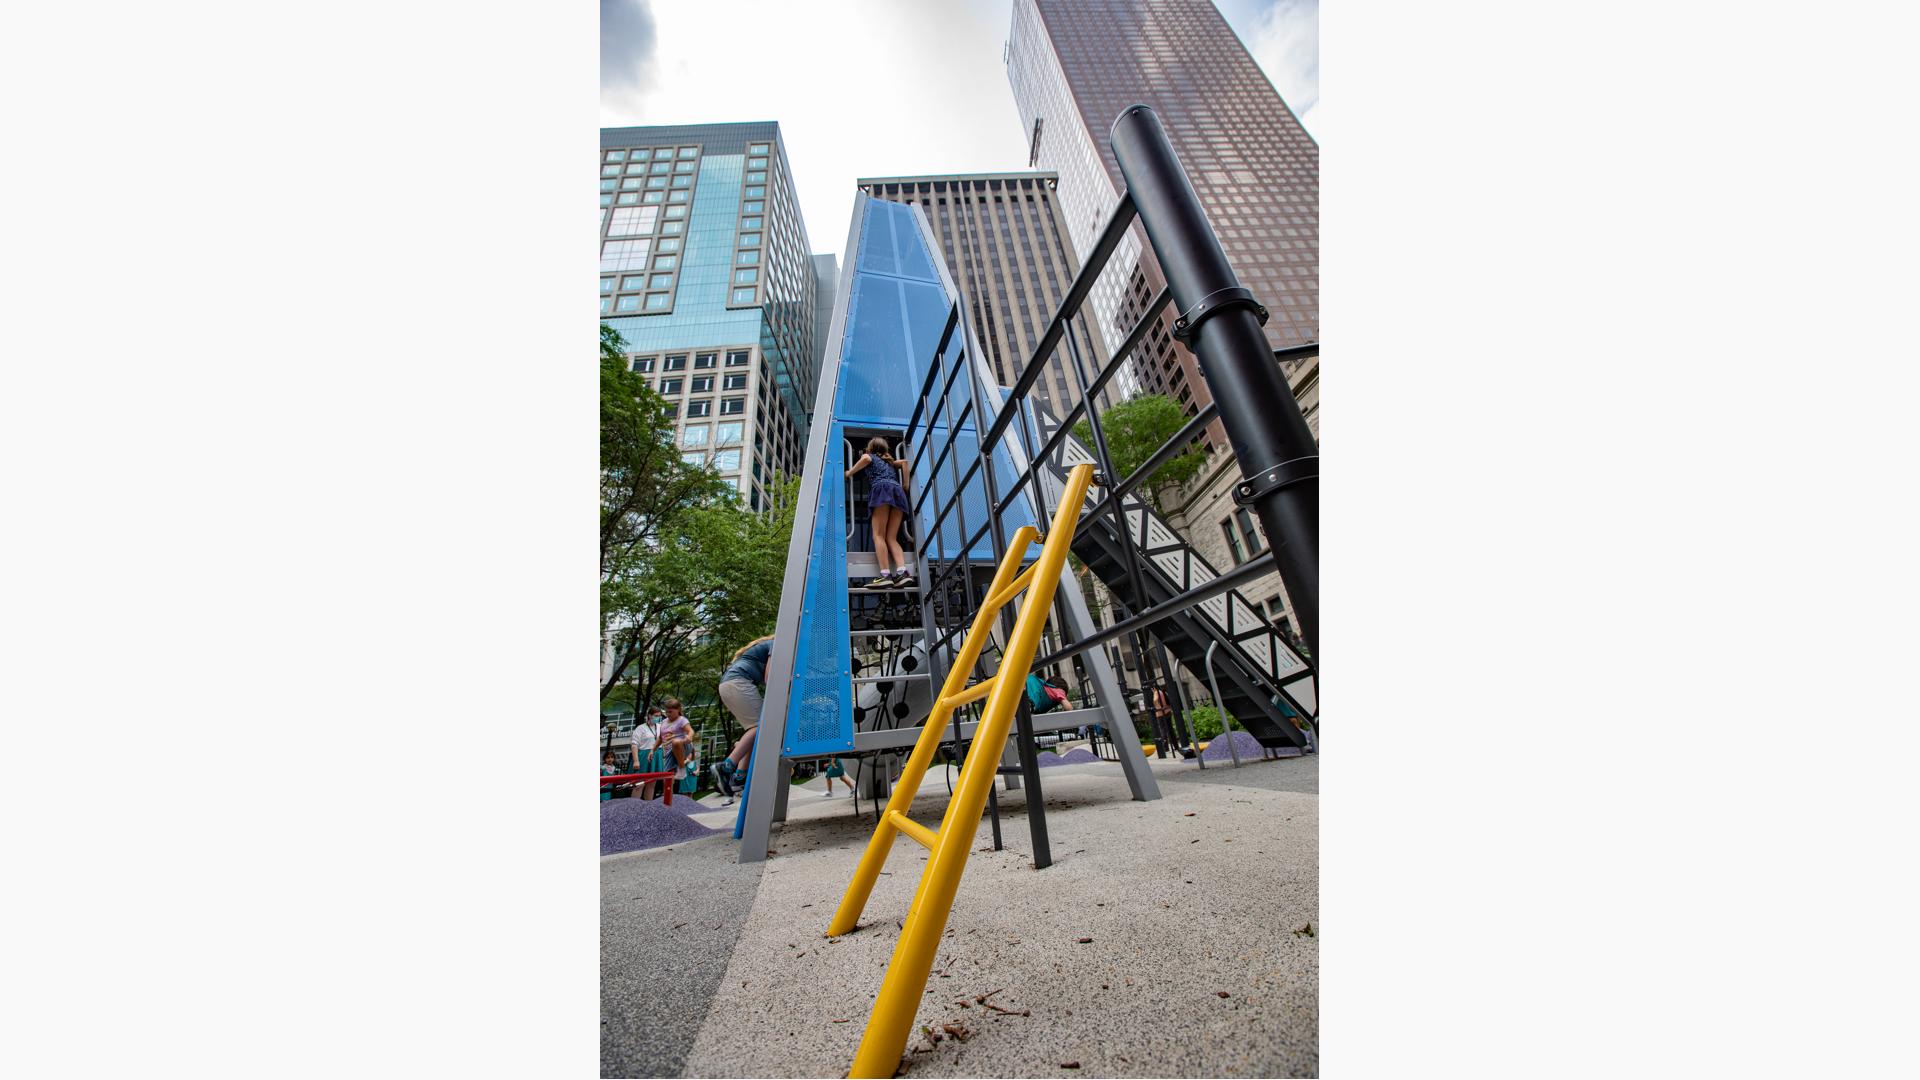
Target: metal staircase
{"x":1253,"y":664}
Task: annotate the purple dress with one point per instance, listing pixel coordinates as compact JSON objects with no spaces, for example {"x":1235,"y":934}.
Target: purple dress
{"x":886,"y":489}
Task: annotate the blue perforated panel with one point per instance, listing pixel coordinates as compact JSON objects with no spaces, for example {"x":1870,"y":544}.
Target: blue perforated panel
{"x":820,"y":713}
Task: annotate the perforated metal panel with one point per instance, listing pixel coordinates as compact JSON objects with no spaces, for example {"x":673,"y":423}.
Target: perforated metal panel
{"x":820,"y":713}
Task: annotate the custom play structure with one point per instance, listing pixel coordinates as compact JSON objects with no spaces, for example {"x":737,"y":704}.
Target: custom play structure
{"x":938,"y":668}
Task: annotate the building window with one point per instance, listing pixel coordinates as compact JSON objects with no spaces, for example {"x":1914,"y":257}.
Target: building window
{"x":606,"y":284}
{"x":627,"y":303}
{"x":627,"y":198}
{"x":682,"y":180}
{"x":756,"y":148}
{"x":672,"y":228}
{"x":749,"y":240}
{"x":728,"y":433}
{"x":606,"y":305}
{"x":1249,"y":531}
{"x":695,"y":459}
{"x":689,"y":151}
{"x":699,"y":408}
{"x":756,"y":178}
{"x":732,"y":406}
{"x":676,"y":363}
{"x":631,"y":281}
{"x":616,"y":155}
{"x":653,"y":197}
{"x":631,"y":183}
{"x":726,"y":460}
{"x":755,"y":193}
{"x":683,"y":166}
{"x":643,"y":363}
{"x":671,"y":243}
{"x":748,"y":276}
{"x":1233,"y":541}
{"x":750,"y":223}
{"x":658,"y":301}
{"x":736,"y":381}
{"x":632,"y":220}
{"x":669,"y":387}
{"x":655,"y":183}
{"x":676,"y":196}
{"x":624,"y":254}
{"x":695,"y":435}
{"x":702,"y":384}
{"x":742,"y":296}
{"x":660,"y":168}
{"x":747,"y":258}
{"x":737,"y":359}
{"x":676,"y":211}
{"x":665,"y":262}
{"x":753,"y":208}
{"x":660,"y":281}
{"x":704,"y":361}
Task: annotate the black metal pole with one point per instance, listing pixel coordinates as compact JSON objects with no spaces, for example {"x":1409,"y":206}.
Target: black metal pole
{"x":1220,"y":321}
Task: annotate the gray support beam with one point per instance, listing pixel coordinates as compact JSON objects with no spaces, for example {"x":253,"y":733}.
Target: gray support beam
{"x":1113,"y":701}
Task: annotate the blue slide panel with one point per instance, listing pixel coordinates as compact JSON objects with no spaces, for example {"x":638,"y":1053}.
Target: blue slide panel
{"x":820,"y":708}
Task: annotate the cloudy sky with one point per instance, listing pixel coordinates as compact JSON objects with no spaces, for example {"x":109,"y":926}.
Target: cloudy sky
{"x":871,"y":87}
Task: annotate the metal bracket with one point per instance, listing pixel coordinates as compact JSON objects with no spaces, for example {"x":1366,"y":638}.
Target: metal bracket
{"x":1213,"y":304}
{"x":1282,"y":475}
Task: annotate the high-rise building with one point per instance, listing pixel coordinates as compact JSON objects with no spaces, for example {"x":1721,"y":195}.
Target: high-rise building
{"x":1004,"y":239}
{"x":706,"y":271}
{"x":1074,"y":66}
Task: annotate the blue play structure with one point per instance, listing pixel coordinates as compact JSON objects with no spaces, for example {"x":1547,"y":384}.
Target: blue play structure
{"x":895,"y":307}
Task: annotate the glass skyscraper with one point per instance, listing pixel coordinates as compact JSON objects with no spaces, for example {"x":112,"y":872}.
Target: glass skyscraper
{"x":706,"y":271}
{"x":1075,"y":65}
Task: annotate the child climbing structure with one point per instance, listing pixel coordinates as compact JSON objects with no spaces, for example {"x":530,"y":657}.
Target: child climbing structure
{"x":853,"y":667}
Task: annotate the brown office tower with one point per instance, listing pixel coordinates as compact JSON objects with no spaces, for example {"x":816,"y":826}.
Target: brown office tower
{"x":1074,"y":66}
{"x":1005,"y":243}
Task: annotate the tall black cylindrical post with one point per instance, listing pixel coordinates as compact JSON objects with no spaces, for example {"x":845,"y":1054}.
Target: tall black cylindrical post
{"x":1220,"y":321}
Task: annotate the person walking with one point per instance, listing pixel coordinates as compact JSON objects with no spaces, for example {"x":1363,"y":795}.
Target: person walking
{"x":1163,"y":722}
{"x":740,"y":693}
{"x":833,"y":771}
{"x":886,"y":508}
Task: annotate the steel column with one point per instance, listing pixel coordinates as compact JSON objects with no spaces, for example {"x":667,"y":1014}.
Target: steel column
{"x":1279,"y":461}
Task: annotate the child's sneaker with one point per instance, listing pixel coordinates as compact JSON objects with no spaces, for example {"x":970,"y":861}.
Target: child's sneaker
{"x":722,"y":781}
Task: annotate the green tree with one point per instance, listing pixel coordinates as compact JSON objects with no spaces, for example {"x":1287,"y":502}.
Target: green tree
{"x":1134,"y":430}
{"x":647,"y":495}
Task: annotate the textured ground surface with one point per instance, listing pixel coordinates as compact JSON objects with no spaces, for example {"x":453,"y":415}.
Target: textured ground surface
{"x":637,"y":824}
{"x":669,"y":917}
{"x":1194,"y":895}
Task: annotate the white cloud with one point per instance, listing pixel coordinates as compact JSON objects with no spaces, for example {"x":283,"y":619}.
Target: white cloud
{"x":1284,"y":39}
{"x":877,"y":87}
{"x":860,"y":88}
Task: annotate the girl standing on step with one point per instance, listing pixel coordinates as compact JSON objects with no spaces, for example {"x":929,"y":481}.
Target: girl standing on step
{"x":887,"y":508}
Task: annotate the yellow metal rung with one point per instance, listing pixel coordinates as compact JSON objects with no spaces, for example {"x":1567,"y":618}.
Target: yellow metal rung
{"x":906,"y":979}
{"x":972,"y":693}
{"x":912,"y":828}
{"x":999,"y":600}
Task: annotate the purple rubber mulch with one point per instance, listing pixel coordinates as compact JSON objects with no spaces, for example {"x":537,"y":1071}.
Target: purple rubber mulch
{"x":1079,"y":755}
{"x":638,"y":824}
{"x":1248,"y":746}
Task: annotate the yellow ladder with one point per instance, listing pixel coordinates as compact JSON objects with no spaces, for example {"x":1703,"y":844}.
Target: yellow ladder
{"x":906,"y":978}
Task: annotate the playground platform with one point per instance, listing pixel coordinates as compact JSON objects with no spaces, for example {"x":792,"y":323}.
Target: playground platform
{"x":1111,"y":962}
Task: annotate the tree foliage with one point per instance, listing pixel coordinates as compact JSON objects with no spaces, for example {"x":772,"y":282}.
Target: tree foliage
{"x":687,"y":574}
{"x":1134,"y":430}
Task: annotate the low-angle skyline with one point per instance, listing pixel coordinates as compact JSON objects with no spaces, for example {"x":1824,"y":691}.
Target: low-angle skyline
{"x":872,"y":87}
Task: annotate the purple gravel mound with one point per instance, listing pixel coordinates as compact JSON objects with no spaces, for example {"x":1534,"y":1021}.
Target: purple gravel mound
{"x":1248,"y":746}
{"x":638,"y":824}
{"x":1079,"y":755}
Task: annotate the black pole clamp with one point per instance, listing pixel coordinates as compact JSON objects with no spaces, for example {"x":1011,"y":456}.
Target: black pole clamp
{"x":1213,"y":304}
{"x":1271,"y":480}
